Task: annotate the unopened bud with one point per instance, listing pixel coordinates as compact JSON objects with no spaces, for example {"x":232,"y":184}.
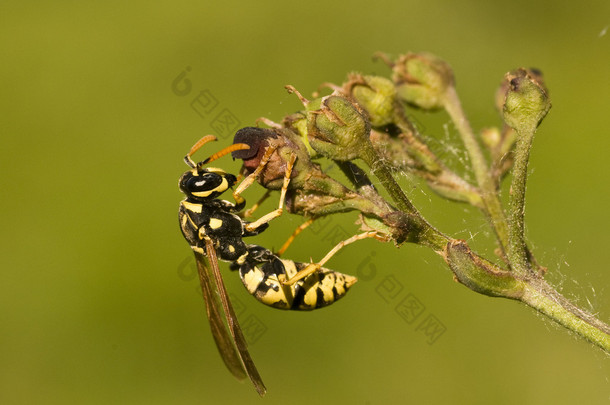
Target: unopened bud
{"x":375,"y":94}
{"x":422,"y":80}
{"x":491,"y":137}
{"x":284,"y":143}
{"x":339,"y":129}
{"x":526,"y":100}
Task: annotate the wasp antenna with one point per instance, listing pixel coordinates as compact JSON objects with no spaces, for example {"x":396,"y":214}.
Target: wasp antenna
{"x":225,"y":151}
{"x":189,"y":161}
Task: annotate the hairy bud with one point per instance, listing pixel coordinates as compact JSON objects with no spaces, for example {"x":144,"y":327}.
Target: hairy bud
{"x":422,"y":79}
{"x":375,"y":94}
{"x":525,"y":100}
{"x":339,"y":129}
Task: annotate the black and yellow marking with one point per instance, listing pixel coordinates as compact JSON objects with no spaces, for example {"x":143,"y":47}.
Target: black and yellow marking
{"x":317,"y":290}
{"x":215,"y":231}
{"x":215,"y":223}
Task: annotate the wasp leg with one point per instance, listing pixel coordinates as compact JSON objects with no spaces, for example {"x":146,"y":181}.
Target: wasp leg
{"x":297,"y":231}
{"x":313,"y":267}
{"x":248,"y":213}
{"x":277,"y":212}
{"x":251,"y":178}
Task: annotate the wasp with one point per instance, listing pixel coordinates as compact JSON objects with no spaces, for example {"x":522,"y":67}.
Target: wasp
{"x":214,"y":230}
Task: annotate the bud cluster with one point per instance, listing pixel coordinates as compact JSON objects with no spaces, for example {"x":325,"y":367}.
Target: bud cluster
{"x":366,"y":118}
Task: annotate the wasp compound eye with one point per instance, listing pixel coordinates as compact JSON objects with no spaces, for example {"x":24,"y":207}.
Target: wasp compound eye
{"x":230,"y":179}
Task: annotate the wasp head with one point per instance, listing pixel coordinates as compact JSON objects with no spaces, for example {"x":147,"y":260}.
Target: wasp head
{"x":205,"y":183}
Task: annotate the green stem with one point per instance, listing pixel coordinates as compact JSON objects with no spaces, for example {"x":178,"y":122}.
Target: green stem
{"x":413,"y":141}
{"x":543,"y":298}
{"x":486,"y":278}
{"x":442,"y":180}
{"x":481,"y":170}
{"x":517,"y":250}
{"x":384,"y":174}
{"x":420,"y":230}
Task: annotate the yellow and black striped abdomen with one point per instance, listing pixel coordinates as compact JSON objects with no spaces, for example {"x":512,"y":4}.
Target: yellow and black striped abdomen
{"x":317,"y":290}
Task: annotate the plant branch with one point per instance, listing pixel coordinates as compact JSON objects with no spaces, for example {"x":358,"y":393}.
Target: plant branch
{"x":339,"y":128}
{"x":546,"y":300}
{"x":486,"y":278}
{"x":517,"y":250}
{"x":526,"y":103}
{"x":381,"y":170}
{"x":493,"y":208}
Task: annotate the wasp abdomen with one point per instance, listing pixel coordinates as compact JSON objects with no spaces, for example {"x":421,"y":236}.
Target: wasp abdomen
{"x":317,"y":290}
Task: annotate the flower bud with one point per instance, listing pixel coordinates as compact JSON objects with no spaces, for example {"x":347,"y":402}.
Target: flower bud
{"x":259,"y":139}
{"x":297,"y":123}
{"x":505,"y":85}
{"x":491,"y":137}
{"x":422,"y":79}
{"x":339,"y":129}
{"x":375,"y":94}
{"x":525,"y":99}
{"x":306,"y":175}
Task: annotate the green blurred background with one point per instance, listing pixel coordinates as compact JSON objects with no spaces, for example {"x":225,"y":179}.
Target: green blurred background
{"x":99,"y":302}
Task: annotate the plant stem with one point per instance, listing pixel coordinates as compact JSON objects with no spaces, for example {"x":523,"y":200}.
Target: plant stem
{"x":420,"y":230}
{"x":543,"y":298}
{"x":486,"y":278}
{"x":517,"y":250}
{"x":384,"y":174}
{"x":442,"y":180}
{"x":486,"y":183}
{"x":413,"y":141}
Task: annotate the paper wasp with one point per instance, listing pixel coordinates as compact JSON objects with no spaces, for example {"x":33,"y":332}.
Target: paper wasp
{"x":214,"y":231}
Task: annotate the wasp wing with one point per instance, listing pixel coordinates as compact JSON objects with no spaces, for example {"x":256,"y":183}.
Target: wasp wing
{"x":221,"y":334}
{"x":230,"y":342}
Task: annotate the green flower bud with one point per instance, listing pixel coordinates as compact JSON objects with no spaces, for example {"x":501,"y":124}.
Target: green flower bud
{"x":375,"y":94}
{"x":422,"y":80}
{"x":297,"y":122}
{"x":491,"y":137}
{"x":339,"y":129}
{"x":526,"y":100}
{"x":535,"y":74}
